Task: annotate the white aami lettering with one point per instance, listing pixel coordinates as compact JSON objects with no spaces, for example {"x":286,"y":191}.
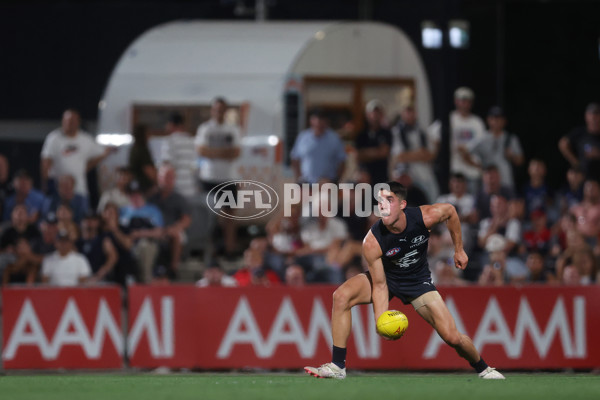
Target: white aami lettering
{"x":368,"y":344}
{"x":493,"y":329}
{"x":145,"y":322}
{"x":71,"y":330}
{"x":287,"y":329}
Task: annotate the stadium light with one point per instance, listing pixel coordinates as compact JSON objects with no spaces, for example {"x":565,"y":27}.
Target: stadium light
{"x":431,"y":35}
{"x":458,"y":33}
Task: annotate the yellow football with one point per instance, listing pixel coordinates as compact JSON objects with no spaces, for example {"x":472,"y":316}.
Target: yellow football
{"x":392,"y":324}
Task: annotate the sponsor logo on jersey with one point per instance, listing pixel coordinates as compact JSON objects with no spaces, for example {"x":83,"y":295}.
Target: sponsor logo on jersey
{"x":418,"y":240}
{"x":393,"y":252}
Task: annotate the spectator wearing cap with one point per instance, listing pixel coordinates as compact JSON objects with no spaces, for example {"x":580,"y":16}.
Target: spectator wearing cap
{"x":118,"y":194}
{"x":416,"y":150}
{"x":179,"y":151}
{"x":581,"y":147}
{"x":318,"y":154}
{"x":466,"y":130}
{"x":498,"y":148}
{"x":145,"y":224}
{"x":70,"y":150}
{"x":500,"y":269}
{"x":373,"y":143}
{"x":214,"y":276}
{"x":66,"y":195}
{"x":24,"y":194}
{"x":65,"y":267}
{"x":98,"y":248}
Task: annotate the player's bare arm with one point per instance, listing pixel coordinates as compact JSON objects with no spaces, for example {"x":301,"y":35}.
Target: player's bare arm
{"x":380,"y":295}
{"x":445,"y":212}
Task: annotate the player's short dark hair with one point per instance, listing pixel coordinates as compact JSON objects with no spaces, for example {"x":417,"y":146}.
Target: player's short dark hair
{"x":398,"y":189}
{"x":176,"y":118}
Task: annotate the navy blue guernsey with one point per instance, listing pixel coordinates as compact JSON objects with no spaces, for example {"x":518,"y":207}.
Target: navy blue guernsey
{"x":404,"y":255}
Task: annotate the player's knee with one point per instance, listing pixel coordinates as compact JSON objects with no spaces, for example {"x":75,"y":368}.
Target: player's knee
{"x":341,"y":297}
{"x":453,"y":339}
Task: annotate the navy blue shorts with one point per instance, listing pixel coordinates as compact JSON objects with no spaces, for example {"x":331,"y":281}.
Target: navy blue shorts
{"x":406,"y":291}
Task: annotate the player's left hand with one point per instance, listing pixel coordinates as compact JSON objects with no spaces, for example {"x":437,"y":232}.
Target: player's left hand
{"x":460,"y":259}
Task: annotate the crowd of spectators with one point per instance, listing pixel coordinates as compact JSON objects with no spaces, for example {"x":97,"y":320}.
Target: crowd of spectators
{"x":138,"y":230}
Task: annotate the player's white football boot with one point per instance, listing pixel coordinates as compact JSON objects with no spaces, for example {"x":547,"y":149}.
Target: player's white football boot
{"x":490,"y":373}
{"x":329,"y":370}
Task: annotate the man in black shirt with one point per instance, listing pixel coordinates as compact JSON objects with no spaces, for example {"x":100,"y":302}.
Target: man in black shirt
{"x":581,"y":147}
{"x":374,"y":142}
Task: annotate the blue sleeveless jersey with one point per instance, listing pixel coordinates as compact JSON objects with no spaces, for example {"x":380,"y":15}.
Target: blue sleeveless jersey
{"x":404,"y":256}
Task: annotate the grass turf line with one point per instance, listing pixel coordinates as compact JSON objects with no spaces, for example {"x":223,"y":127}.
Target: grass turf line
{"x":276,"y":386}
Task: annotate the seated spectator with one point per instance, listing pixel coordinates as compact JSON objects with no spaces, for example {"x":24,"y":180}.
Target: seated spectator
{"x":253,"y":271}
{"x":66,"y":195}
{"x":501,"y":223}
{"x":294,"y":276}
{"x":145,"y":224}
{"x":413,"y":148}
{"x":440,"y":245}
{"x":176,"y":216}
{"x":65,"y":267}
{"x":214,"y":276}
{"x":538,"y":238}
{"x":536,"y":269}
{"x":25,"y":267}
{"x":97,"y":248}
{"x":320,"y":236}
{"x":500,"y":269}
{"x":45,"y":244}
{"x":587,"y":213}
{"x":18,"y":227}
{"x":572,"y":192}
{"x":465,"y":208}
{"x":579,"y":255}
{"x":536,"y":193}
{"x":566,"y":224}
{"x":125,"y":270}
{"x":24,"y":193}
{"x":64,"y":216}
{"x":118,"y":194}
{"x":283,"y":232}
{"x":446,"y":274}
{"x":491,"y":186}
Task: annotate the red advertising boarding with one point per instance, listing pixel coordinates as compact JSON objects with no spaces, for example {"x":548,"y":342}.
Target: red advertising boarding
{"x":514,"y":328}
{"x":62,"y":328}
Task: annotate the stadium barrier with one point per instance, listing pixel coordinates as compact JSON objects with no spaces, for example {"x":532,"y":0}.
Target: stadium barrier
{"x":182,"y":326}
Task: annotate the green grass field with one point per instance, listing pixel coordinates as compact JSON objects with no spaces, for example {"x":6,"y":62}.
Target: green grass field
{"x":288,"y":386}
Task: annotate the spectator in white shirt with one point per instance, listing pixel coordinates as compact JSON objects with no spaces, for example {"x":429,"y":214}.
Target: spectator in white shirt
{"x":65,"y":267}
{"x":68,"y":150}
